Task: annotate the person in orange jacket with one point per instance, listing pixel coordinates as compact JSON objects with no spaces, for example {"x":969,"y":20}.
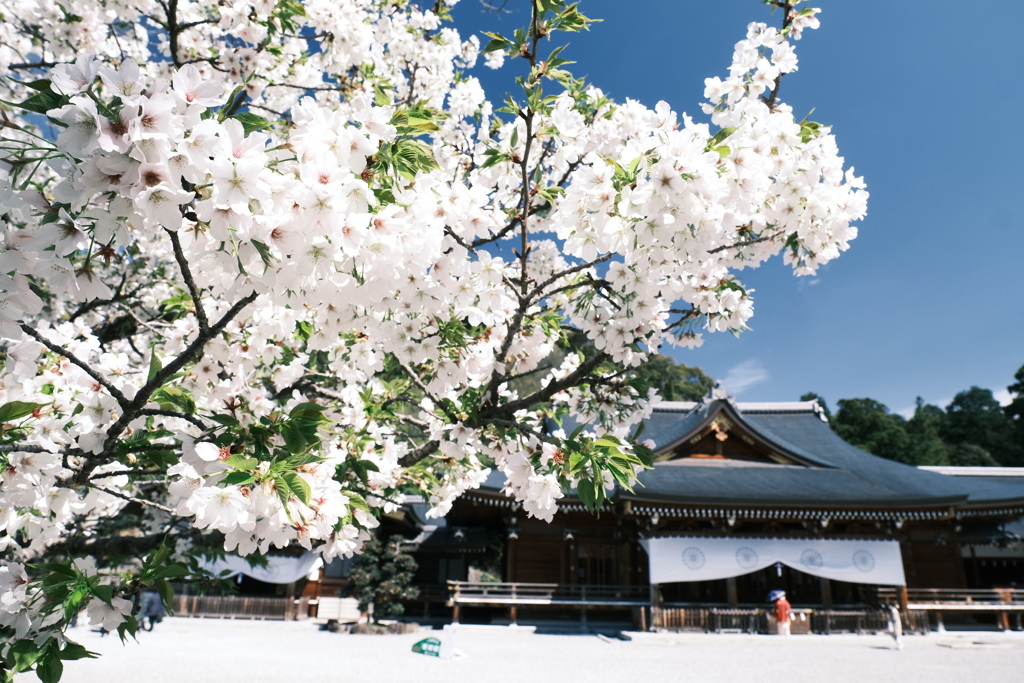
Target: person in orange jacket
{"x":783,"y":613}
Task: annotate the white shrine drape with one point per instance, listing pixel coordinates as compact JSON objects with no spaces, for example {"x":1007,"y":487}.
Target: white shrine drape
{"x":279,"y":569}
{"x":683,"y":558}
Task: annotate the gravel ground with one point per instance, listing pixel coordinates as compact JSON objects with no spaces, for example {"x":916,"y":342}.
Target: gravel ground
{"x":184,"y":650}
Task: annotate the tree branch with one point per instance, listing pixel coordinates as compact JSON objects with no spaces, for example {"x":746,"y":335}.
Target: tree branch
{"x":186,"y":274}
{"x":122,"y":401}
{"x":131,"y":410}
{"x":413,"y":457}
{"x":133,"y":499}
{"x":172,"y":413}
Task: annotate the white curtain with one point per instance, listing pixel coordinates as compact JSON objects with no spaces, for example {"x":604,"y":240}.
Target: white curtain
{"x":279,"y":569}
{"x":683,"y":558}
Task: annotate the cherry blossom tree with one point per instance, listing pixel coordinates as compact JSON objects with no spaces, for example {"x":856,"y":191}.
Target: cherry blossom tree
{"x":270,"y":266}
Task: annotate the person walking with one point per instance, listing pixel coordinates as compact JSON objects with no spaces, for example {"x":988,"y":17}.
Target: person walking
{"x":783,"y":611}
{"x":896,"y":625}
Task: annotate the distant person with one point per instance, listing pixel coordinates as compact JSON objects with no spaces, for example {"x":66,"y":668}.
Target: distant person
{"x":783,"y":612}
{"x":152,"y":610}
{"x":896,"y":626}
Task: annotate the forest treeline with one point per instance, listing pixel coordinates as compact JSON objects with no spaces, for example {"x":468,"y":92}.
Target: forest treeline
{"x":972,"y":431}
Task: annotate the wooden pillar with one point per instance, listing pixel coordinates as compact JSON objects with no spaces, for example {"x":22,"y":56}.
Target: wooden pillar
{"x":730,"y":589}
{"x":903,"y":598}
{"x":289,"y":606}
{"x":826,"y":593}
{"x":655,"y":608}
{"x":512,"y":615}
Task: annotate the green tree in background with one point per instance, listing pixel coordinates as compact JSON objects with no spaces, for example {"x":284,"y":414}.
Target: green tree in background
{"x":868,"y":425}
{"x":675,"y":381}
{"x":969,"y":455}
{"x":972,"y":431}
{"x":1015,"y":411}
{"x":975,"y":417}
{"x":383,"y":575}
{"x":924,"y":430}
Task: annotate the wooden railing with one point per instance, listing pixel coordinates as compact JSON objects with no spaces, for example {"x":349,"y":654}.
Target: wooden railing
{"x":959,"y":600}
{"x":754,"y":619}
{"x":240,"y":607}
{"x":524,"y":594}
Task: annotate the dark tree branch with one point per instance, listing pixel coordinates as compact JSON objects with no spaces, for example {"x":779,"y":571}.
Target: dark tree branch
{"x":131,"y":410}
{"x":508,"y":410}
{"x":186,"y":274}
{"x":22,"y":448}
{"x":33,"y":65}
{"x":171,"y":413}
{"x":740,"y":245}
{"x":122,"y":401}
{"x":133,"y":499}
{"x":413,"y":457}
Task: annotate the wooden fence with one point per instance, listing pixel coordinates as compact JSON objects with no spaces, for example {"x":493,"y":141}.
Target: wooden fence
{"x":240,"y":607}
{"x":999,"y":601}
{"x":718,"y":619}
{"x":522,"y":594}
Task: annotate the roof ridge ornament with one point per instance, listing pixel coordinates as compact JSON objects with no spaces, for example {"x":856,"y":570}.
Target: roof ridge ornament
{"x":719,"y":393}
{"x":819,"y":410}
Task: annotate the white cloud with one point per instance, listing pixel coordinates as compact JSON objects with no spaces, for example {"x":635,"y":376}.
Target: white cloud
{"x":741,"y":377}
{"x":1004,"y":397}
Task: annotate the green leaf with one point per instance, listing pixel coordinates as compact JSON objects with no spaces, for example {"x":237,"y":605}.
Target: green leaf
{"x":284,"y":492}
{"x":497,"y":42}
{"x":299,"y":486}
{"x":357,"y":501}
{"x":251,"y":122}
{"x":76,"y":651}
{"x":238,"y":478}
{"x":129,"y":627}
{"x":294,"y":441}
{"x":104,"y":593}
{"x":166,"y":591}
{"x":308,"y":411}
{"x":17,"y":409}
{"x":42,"y":102}
{"x":155,"y":365}
{"x":65,"y":570}
{"x":172,"y":571}
{"x":241,"y":462}
{"x":608,"y":441}
{"x":585,"y":490}
{"x":576,"y":460}
{"x":50,"y":668}
{"x":175,"y":398}
{"x":22,"y":655}
{"x":264,"y":251}
{"x":719,"y":137}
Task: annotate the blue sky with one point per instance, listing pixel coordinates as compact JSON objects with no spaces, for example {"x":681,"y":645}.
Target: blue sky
{"x":926,"y":102}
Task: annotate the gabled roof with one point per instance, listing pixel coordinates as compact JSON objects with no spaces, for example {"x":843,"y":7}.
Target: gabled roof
{"x":829,"y":471}
{"x":821,"y":470}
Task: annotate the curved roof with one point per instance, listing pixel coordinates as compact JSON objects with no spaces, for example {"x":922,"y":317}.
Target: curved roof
{"x":829,"y":470}
{"x":822,"y":470}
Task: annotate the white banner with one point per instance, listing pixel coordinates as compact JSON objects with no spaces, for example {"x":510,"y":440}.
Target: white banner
{"x":683,"y":558}
{"x":279,"y":569}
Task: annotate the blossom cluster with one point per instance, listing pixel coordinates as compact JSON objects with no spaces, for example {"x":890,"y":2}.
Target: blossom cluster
{"x":276,"y":328}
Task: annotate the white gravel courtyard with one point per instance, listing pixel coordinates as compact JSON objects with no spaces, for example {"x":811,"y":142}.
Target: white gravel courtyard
{"x":183,"y":650}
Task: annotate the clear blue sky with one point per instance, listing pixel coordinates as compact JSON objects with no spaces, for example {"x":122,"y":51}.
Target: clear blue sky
{"x":926,"y":101}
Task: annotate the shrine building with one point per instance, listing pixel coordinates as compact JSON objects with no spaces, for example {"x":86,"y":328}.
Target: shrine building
{"x":743,"y":498}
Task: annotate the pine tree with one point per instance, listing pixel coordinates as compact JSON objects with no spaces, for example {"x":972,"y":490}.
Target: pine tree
{"x":383,"y":575}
